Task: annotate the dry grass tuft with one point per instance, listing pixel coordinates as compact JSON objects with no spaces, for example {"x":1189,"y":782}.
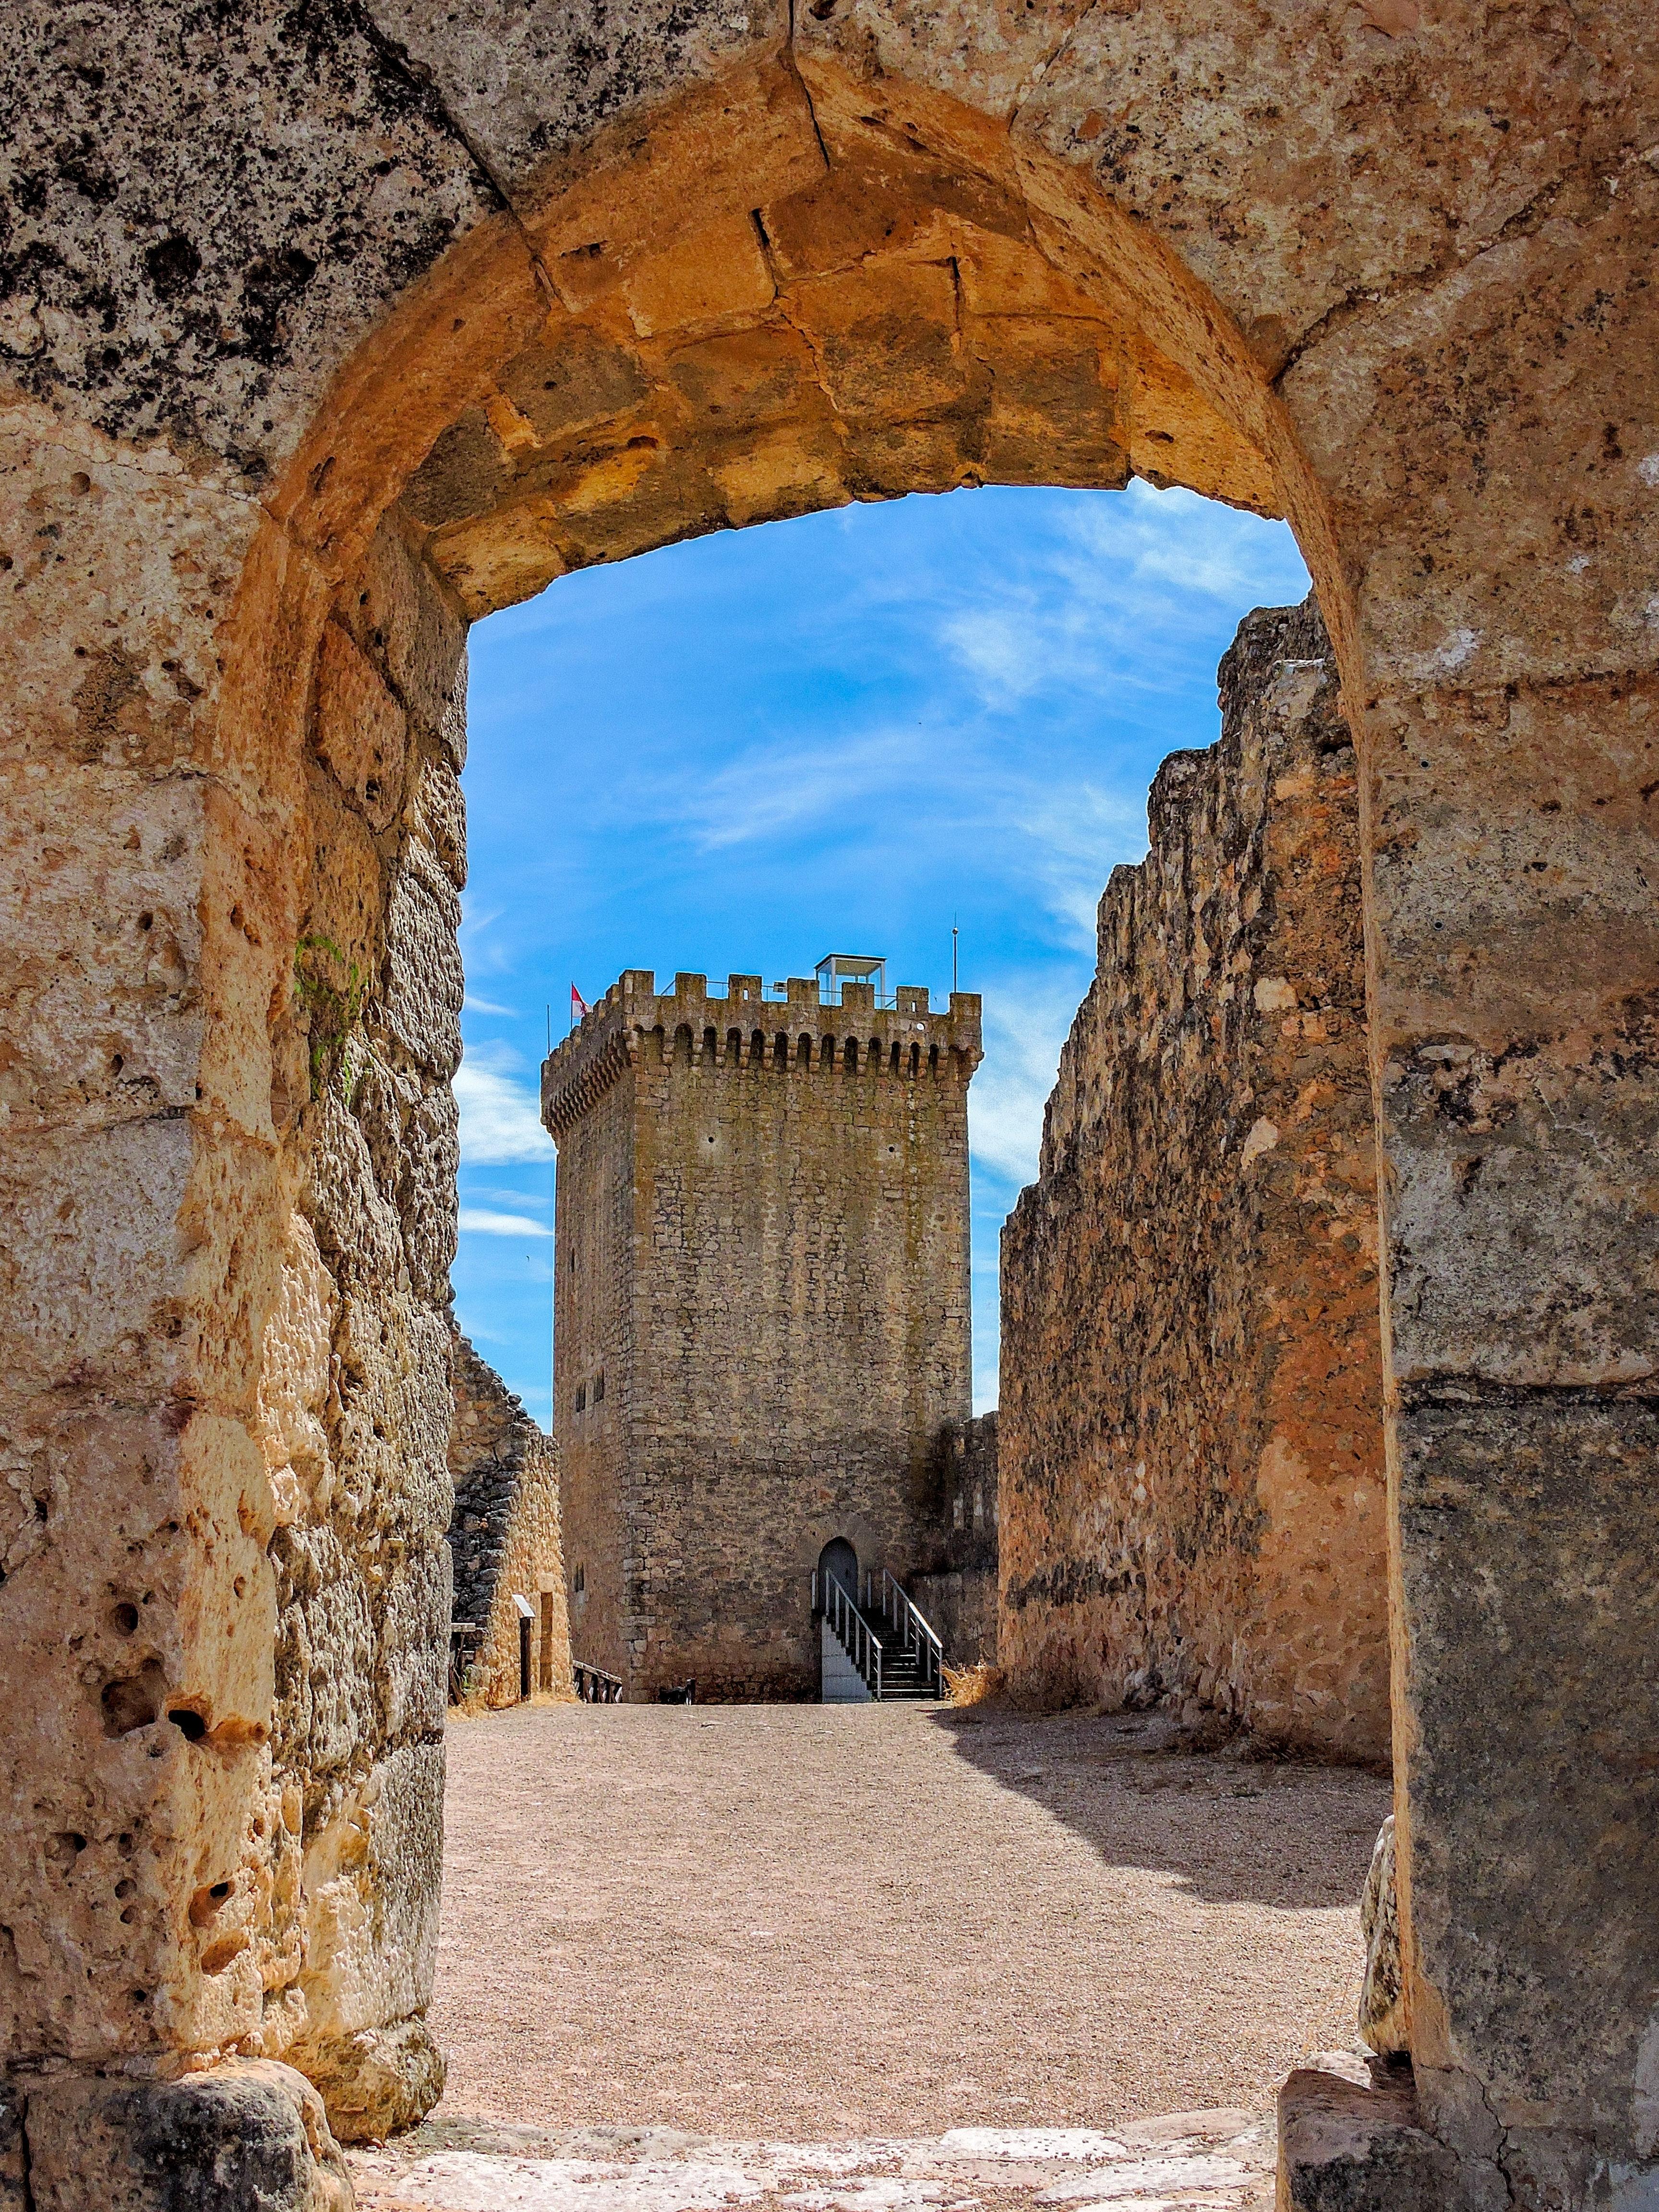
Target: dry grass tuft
{"x":973,"y":1685}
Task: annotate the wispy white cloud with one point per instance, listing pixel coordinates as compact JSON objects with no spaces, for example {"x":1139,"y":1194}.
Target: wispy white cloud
{"x":476,"y":1006}
{"x":1025,"y":1032}
{"x":1079,"y":611}
{"x":484,"y":1224}
{"x":500,"y":1121}
{"x":779,"y":792}
{"x":1078,"y":837}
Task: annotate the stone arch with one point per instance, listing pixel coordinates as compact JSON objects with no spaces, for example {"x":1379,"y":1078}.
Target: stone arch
{"x":1328,"y":338}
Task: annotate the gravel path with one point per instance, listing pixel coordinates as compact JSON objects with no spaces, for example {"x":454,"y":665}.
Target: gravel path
{"x":815,"y":1922}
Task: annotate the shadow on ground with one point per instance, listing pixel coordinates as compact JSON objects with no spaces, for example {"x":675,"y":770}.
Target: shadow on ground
{"x":1235,"y":1826}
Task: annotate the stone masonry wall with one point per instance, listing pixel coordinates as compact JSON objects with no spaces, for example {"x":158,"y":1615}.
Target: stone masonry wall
{"x":1193,"y":1492}
{"x":355,"y":1378}
{"x":956,"y":1587}
{"x":761,"y":1321}
{"x":262,"y":262}
{"x":504,"y":1539}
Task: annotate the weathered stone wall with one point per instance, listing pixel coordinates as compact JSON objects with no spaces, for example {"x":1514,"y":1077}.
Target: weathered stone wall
{"x":504,"y":1540}
{"x":957,"y":1585}
{"x":355,"y":1380}
{"x":247,"y":1859}
{"x":761,"y":1316}
{"x":259,"y":263}
{"x":1193,"y":1489}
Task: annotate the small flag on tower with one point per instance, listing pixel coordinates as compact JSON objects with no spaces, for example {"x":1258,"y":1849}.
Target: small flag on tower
{"x":578,"y":1006}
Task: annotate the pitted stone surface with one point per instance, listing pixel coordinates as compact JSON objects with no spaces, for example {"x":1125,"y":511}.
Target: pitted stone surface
{"x":1193,"y":1497}
{"x":1387,"y":273}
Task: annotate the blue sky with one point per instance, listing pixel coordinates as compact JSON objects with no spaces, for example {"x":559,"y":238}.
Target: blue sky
{"x":840,"y":733}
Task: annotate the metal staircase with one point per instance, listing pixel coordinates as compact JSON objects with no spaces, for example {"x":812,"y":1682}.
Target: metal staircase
{"x":892,"y":1645}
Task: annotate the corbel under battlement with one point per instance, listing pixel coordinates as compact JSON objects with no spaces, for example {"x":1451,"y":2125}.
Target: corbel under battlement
{"x":788,"y":1031}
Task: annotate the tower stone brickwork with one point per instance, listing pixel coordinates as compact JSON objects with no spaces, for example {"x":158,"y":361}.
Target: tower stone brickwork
{"x":762,"y":1313}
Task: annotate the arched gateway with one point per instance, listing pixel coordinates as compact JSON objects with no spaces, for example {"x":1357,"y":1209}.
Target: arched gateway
{"x":329,"y":330}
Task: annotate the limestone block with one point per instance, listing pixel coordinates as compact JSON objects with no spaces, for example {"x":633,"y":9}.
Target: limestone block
{"x":886,"y":336}
{"x":393,"y":1418}
{"x":1568,"y":604}
{"x":770,"y":475}
{"x":464,"y":474}
{"x":1002,"y":275}
{"x":1135,"y":101}
{"x":1521,"y":1252}
{"x":633,"y":500}
{"x":1349,"y":2141}
{"x":89,"y":1272}
{"x":881,"y":197}
{"x":441,"y":813}
{"x":452,"y":730}
{"x":428,"y":1211}
{"x":411,"y":1645}
{"x":119,"y":564}
{"x":356,"y":1227}
{"x":239,"y":306}
{"x":987,"y":62}
{"x":936,"y":456}
{"x":1530,"y":1923}
{"x":399,"y":615}
{"x":712,"y":276}
{"x":294,"y":1382}
{"x":487,"y":566}
{"x":411,"y":1133}
{"x":1054,"y":416}
{"x":1176,"y":436}
{"x":361,"y":730}
{"x":88,"y":1766}
{"x":247,"y":2137}
{"x":101,"y":882}
{"x":572,"y":380}
{"x":752,"y":376}
{"x":529,"y":82}
{"x":377,"y":2080}
{"x":418,"y":998}
{"x":373,"y":1866}
{"x":325,"y":1654}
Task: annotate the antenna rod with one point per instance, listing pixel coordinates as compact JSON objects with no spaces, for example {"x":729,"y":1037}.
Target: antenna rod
{"x":955,"y":933}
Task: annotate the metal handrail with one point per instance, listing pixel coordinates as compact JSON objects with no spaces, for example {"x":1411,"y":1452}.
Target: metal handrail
{"x":858,"y":1639}
{"x":915,"y":1629}
{"x":593,"y":1686}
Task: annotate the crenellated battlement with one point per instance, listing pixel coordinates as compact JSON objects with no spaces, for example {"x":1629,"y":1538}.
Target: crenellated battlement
{"x":795,"y":1031}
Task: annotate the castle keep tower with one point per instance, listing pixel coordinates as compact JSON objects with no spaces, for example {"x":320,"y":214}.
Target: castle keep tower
{"x":762,"y":1311}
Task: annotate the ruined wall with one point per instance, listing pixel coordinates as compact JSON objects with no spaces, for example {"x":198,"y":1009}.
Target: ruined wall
{"x":762,"y":1252}
{"x":957,"y":1585}
{"x":504,"y":1540}
{"x":1192,"y":1490}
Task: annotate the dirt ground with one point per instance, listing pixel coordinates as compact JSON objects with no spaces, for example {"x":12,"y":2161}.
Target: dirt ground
{"x":811,"y":1922}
